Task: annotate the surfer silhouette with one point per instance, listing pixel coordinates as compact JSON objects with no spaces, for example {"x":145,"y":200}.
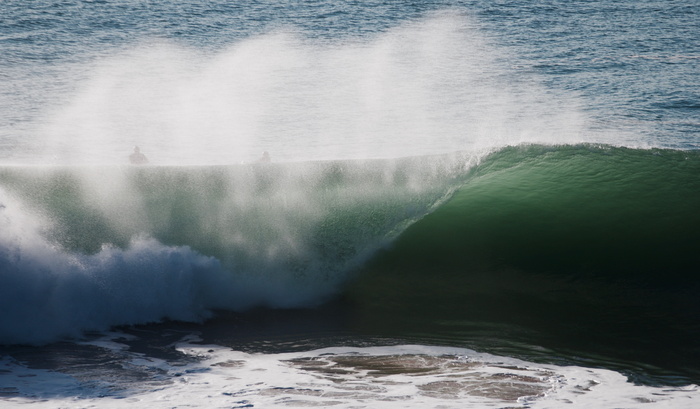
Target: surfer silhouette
{"x":265,"y":157}
{"x":137,"y":158}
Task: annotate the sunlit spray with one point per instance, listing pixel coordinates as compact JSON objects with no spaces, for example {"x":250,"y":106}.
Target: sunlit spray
{"x":431,"y":86}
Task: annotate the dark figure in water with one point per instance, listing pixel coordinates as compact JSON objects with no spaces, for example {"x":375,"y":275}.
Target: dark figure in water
{"x":137,"y":158}
{"x":265,"y":157}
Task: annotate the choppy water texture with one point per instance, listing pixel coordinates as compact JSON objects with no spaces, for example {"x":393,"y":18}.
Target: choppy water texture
{"x":516,"y":178}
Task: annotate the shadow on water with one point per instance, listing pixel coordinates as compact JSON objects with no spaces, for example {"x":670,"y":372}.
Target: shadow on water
{"x":648,"y":349}
{"x":503,"y":325}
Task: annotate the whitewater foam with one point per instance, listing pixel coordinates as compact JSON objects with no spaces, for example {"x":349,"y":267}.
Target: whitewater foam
{"x":404,"y":376}
{"x":47,"y":292}
{"x":87,"y":248}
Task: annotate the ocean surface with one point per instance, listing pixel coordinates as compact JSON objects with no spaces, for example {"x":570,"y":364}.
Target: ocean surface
{"x":469,"y":204}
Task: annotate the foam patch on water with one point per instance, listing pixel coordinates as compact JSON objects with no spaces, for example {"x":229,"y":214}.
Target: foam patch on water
{"x":407,"y":376}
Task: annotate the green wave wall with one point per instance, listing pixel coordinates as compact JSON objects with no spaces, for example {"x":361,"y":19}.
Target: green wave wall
{"x":593,"y":248}
{"x":602,"y":211}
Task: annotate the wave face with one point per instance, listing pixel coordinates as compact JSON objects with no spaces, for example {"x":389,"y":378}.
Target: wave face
{"x":84,"y":248}
{"x":554,"y":239}
{"x":583,"y":248}
{"x":576,"y":210}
